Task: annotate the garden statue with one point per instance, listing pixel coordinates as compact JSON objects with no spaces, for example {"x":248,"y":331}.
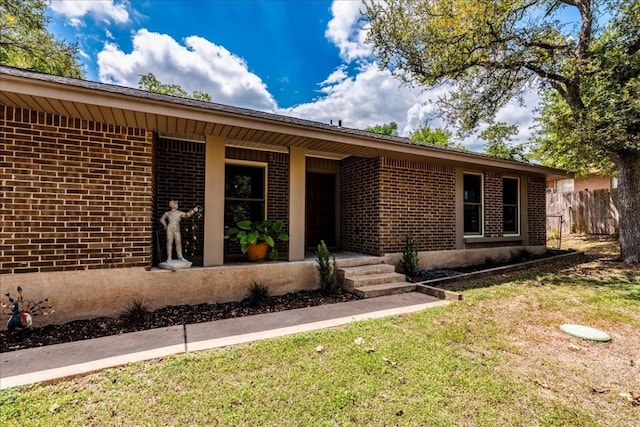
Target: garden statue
{"x":171,"y":223}
{"x":22,"y":311}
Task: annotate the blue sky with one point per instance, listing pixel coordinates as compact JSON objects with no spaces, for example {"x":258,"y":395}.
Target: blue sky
{"x":303,"y":58}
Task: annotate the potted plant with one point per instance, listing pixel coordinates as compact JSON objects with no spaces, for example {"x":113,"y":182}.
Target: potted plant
{"x":257,"y":237}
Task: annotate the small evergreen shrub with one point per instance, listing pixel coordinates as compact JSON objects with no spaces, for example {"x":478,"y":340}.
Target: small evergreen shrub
{"x":327,"y":269}
{"x":409,"y":264}
{"x":136,"y":312}
{"x":258,"y":294}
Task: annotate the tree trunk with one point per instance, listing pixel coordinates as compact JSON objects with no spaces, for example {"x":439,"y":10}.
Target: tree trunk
{"x":629,"y":205}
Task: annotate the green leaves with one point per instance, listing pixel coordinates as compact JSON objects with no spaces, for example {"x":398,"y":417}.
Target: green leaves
{"x":390,"y":129}
{"x":249,"y":233}
{"x":25,"y":41}
{"x":150,"y":83}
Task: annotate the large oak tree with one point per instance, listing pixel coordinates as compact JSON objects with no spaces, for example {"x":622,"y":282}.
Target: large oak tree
{"x":25,"y":41}
{"x":583,"y":52}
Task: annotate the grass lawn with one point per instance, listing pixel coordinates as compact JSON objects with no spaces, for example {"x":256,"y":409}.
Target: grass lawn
{"x":496,"y":358}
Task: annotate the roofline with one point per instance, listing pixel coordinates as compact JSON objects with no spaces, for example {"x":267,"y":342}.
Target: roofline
{"x":76,"y":90}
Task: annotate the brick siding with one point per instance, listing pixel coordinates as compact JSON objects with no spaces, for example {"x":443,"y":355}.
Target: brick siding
{"x":419,"y":199}
{"x":360,"y":205}
{"x":179,"y":176}
{"x":537,"y":216}
{"x":76,"y":194}
{"x":493,"y":211}
{"x":383,"y":200}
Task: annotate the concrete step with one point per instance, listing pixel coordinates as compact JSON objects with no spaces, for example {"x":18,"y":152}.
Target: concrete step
{"x":372,"y":279}
{"x":357,"y":261}
{"x":363,"y":270}
{"x":372,"y":291}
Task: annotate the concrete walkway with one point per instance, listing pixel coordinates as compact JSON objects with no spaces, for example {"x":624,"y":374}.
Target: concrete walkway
{"x":63,"y":360}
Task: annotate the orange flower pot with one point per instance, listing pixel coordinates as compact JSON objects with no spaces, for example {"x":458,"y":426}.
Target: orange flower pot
{"x":257,"y":252}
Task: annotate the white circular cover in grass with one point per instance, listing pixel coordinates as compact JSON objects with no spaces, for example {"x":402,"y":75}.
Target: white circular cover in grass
{"x":585,"y":332}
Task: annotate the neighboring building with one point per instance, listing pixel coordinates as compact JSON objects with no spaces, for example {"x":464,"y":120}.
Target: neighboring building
{"x":89,"y":168}
{"x":592,"y":181}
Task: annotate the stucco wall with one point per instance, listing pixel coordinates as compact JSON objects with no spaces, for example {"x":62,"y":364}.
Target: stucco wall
{"x":96,"y":293}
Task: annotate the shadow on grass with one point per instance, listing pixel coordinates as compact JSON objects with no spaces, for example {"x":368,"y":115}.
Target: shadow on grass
{"x":620,"y":278}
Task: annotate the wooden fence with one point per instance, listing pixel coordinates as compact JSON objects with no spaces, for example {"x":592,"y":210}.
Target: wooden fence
{"x":588,"y":212}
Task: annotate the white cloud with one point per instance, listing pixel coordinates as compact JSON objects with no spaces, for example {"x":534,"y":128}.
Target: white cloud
{"x":369,"y":98}
{"x":197,"y":64}
{"x":360,"y":98}
{"x":103,"y":10}
{"x":346,"y":32}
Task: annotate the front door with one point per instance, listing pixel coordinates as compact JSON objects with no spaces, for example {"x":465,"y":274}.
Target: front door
{"x":321,"y":209}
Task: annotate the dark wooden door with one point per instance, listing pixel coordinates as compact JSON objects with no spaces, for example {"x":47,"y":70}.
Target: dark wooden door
{"x":321,"y":209}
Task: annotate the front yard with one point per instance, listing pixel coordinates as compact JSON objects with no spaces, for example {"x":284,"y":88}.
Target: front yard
{"x":496,"y":358}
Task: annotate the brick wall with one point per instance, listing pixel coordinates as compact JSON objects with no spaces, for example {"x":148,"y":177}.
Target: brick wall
{"x":417,"y":198}
{"x":278,"y":194}
{"x":75,"y":195}
{"x":360,"y":205}
{"x":537,"y":217}
{"x":493,"y":211}
{"x":180,"y":171}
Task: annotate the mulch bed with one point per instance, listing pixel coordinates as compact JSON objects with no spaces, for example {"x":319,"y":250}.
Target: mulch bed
{"x":164,"y":317}
{"x":189,"y":314}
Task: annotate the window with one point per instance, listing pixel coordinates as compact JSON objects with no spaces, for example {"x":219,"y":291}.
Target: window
{"x":472,"y":204}
{"x":510,"y":190}
{"x":564,"y":185}
{"x":244,"y":194}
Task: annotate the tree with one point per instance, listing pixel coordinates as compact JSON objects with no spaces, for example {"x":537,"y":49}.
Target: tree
{"x":390,"y":129}
{"x":498,"y":137}
{"x":492,"y":51}
{"x":25,"y":41}
{"x":436,"y":136}
{"x":150,"y":83}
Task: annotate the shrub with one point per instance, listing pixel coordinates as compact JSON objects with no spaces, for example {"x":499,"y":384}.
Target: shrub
{"x":409,"y":264}
{"x":136,"y":312}
{"x":326,"y":269}
{"x":258,"y":294}
{"x":522,"y":255}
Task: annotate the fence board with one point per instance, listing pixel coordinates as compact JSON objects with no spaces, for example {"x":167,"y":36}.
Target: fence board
{"x":588,"y":211}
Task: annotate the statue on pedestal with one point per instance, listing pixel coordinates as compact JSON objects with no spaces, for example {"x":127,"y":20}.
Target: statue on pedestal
{"x":170,"y":220}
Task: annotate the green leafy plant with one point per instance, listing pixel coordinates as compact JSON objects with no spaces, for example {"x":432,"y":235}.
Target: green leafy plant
{"x":251,"y":233}
{"x":409,"y":264}
{"x":327,"y":269}
{"x":136,"y":312}
{"x":258,"y":294}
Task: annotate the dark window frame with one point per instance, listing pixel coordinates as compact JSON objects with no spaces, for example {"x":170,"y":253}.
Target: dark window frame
{"x":261,"y":201}
{"x":508,"y":206}
{"x":473,"y":203}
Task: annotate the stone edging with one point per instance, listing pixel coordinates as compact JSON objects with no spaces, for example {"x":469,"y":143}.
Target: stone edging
{"x":427,"y":287}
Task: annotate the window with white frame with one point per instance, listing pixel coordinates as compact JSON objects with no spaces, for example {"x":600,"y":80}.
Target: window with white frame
{"x":472,"y":188}
{"x":510,"y":205}
{"x":244,"y":193}
{"x":564,"y":185}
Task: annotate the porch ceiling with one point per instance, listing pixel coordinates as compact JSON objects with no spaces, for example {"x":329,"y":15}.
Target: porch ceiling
{"x":182,"y":118}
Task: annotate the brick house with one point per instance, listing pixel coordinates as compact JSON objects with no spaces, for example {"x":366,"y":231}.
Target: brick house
{"x":89,"y":168}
